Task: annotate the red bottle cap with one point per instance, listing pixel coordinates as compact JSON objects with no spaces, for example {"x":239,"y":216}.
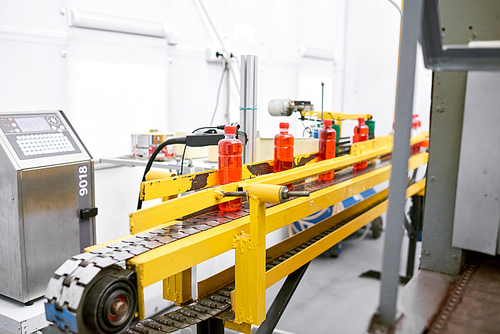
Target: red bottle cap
{"x":327,"y":123}
{"x":284,"y":125}
{"x":230,"y":130}
{"x":361,"y":121}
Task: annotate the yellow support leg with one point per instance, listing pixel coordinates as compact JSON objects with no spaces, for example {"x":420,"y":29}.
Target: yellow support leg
{"x":177,"y":288}
{"x":242,"y":328}
{"x":240,"y":298}
{"x":250,"y":268}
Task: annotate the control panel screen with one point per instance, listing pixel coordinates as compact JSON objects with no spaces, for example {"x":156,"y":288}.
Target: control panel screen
{"x":36,"y":136}
{"x":32,"y":124}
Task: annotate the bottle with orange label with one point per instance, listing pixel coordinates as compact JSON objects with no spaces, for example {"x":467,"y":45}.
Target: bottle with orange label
{"x":230,"y":162}
{"x":327,"y":146}
{"x":360,"y":134}
{"x":283,"y":150}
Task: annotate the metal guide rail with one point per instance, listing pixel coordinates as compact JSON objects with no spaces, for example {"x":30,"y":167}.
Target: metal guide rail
{"x":92,"y":293}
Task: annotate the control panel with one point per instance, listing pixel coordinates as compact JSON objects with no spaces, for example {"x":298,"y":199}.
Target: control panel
{"x":38,"y":135}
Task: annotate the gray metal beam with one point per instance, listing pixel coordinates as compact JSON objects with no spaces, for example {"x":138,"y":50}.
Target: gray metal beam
{"x":448,"y":96}
{"x":386,"y":313}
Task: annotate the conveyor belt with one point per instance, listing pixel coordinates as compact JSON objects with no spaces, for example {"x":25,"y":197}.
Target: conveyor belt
{"x":220,"y":301}
{"x":69,"y":287}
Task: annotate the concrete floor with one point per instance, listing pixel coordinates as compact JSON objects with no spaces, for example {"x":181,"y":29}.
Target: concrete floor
{"x":331,"y":298}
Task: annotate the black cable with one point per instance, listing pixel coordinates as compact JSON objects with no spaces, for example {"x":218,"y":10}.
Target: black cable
{"x":182,"y":160}
{"x":220,"y":127}
{"x":218,"y":93}
{"x":171,"y":141}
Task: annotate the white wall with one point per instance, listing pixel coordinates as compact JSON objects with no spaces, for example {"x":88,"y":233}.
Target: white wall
{"x":113,"y":84}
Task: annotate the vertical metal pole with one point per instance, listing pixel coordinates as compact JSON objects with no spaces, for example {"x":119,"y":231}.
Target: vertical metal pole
{"x":228,"y":98}
{"x":400,"y":155}
{"x":248,"y":104}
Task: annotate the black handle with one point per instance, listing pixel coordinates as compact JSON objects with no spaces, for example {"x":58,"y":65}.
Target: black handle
{"x":88,"y":213}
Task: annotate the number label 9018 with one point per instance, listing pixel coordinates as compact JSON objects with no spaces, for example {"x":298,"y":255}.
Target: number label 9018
{"x":83,"y":181}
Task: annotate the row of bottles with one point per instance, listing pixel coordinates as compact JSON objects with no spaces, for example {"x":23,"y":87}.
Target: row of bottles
{"x":230,"y":154}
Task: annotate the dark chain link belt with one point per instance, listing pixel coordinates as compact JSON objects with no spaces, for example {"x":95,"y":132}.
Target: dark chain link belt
{"x":66,"y":289}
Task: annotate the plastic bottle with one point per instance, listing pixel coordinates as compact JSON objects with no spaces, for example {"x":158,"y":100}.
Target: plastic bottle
{"x":360,"y":134}
{"x":371,"y":128}
{"x":415,"y":125}
{"x":283,"y":150}
{"x":230,"y":160}
{"x":327,"y":145}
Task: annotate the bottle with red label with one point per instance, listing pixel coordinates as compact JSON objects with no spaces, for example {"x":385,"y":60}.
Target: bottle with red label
{"x":283,"y":150}
{"x":415,"y":125}
{"x":360,"y":134}
{"x":230,"y":161}
{"x":327,"y":146}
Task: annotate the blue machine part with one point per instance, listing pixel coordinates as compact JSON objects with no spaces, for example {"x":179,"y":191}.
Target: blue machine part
{"x":328,"y":212}
{"x":62,"y":318}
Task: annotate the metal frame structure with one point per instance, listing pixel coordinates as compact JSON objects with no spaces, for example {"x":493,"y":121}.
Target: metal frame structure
{"x":441,"y":57}
{"x":446,"y":125}
{"x":447,"y":110}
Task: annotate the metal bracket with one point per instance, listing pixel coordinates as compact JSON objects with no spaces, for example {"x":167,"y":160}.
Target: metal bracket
{"x":439,"y":57}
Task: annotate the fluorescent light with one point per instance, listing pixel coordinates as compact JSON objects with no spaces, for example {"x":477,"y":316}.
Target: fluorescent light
{"x":98,"y":21}
{"x":322,"y":54}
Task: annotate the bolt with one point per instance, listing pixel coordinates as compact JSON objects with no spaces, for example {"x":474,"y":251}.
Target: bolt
{"x":12,"y":198}
{"x":119,"y":308}
{"x":426,"y":253}
{"x":439,"y":109}
{"x":454,"y":257}
{"x":433,"y":179}
{"x":64,"y":53}
{"x":62,"y":11}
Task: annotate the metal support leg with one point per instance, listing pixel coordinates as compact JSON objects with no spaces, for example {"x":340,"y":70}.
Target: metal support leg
{"x":250,"y":268}
{"x":281,"y":301}
{"x":416,"y":216}
{"x":384,"y":319}
{"x":210,"y":326}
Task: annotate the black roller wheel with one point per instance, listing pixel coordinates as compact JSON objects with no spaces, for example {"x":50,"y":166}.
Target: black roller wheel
{"x":111,"y":303}
{"x":377,"y":227}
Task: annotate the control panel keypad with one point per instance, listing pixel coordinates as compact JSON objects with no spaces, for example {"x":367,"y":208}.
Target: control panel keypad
{"x":44,"y":143}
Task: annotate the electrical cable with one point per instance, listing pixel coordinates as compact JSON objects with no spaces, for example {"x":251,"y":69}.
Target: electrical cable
{"x":182,"y":160}
{"x":237,"y":61}
{"x":171,"y":141}
{"x":220,"y":127}
{"x":221,"y":43}
{"x":218,"y":93}
{"x":397,"y":7}
{"x":307,"y":129}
